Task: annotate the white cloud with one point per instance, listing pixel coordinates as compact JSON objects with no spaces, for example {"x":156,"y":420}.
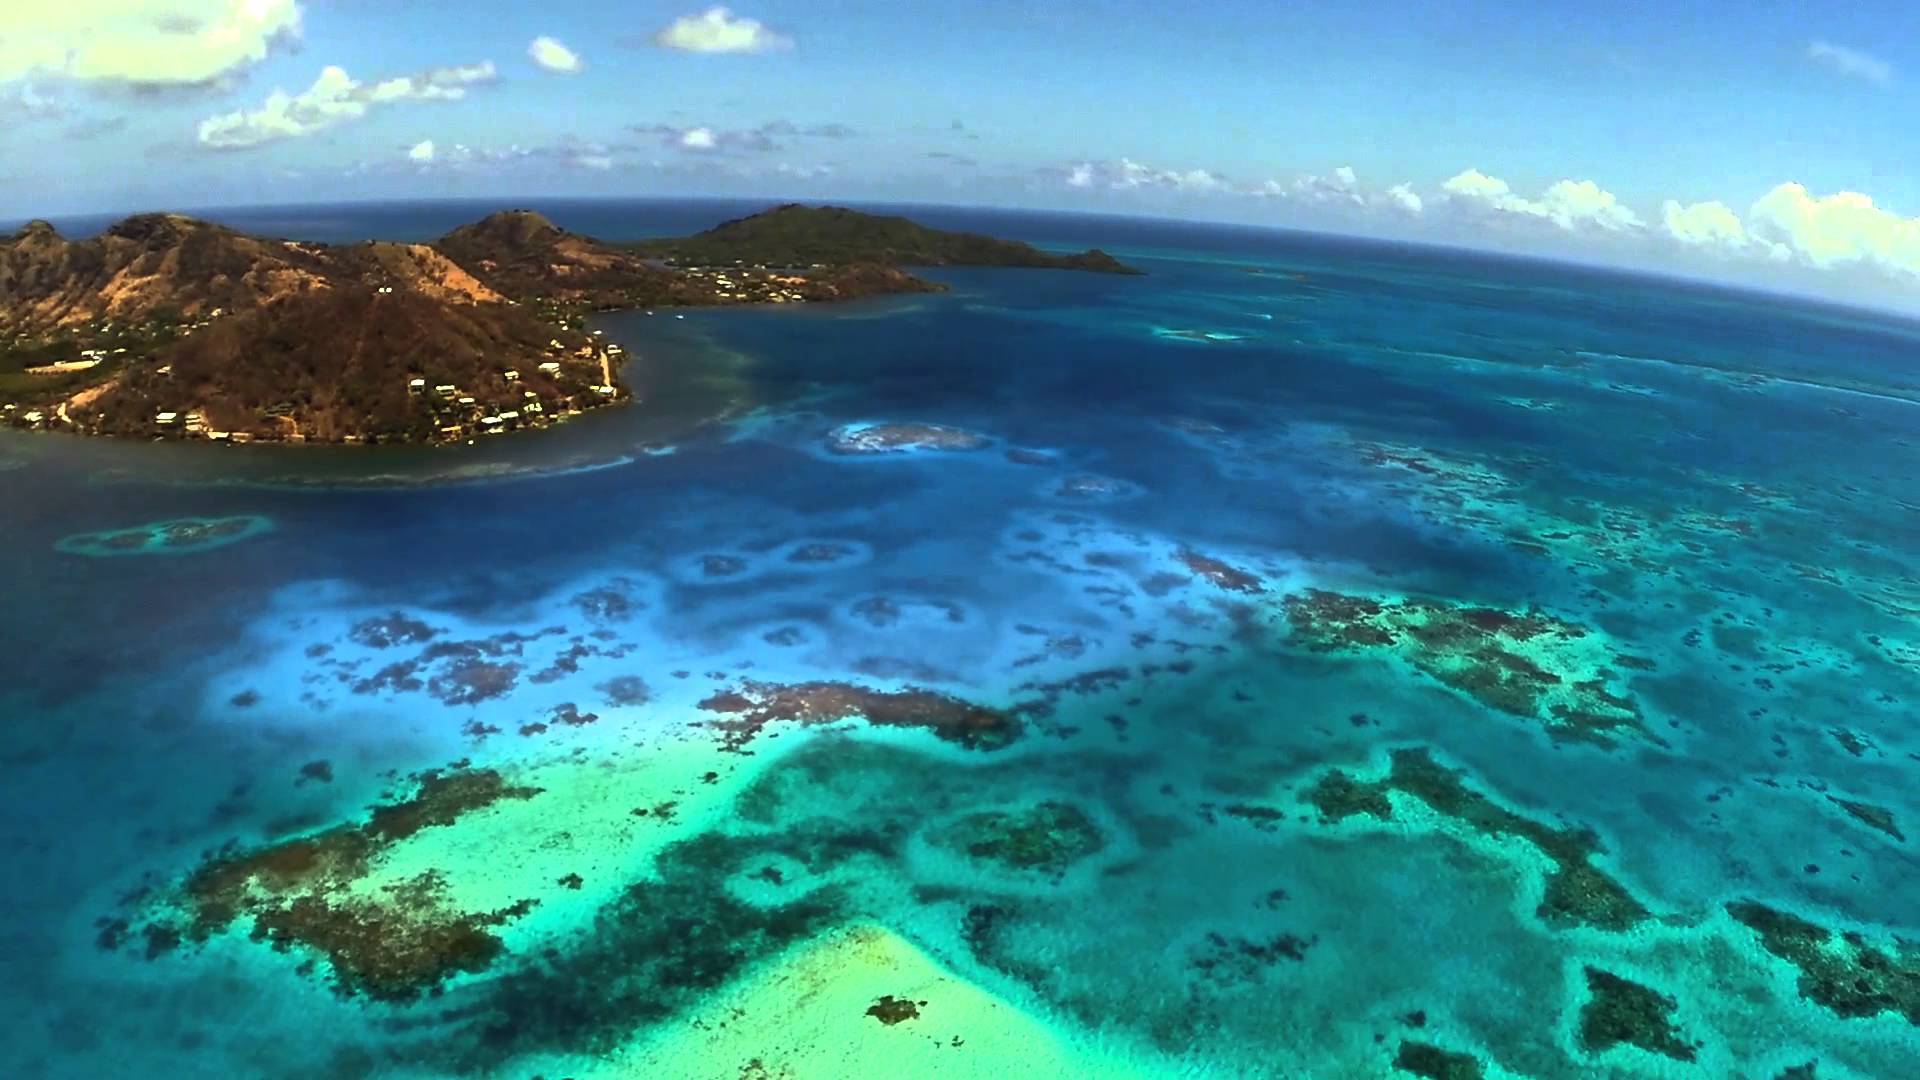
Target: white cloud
{"x":1404,"y":197}
{"x":1128,"y":174}
{"x":1704,"y":224}
{"x":1341,"y":185}
{"x":1850,"y":62}
{"x":1844,"y":228}
{"x":144,"y":42}
{"x":699,"y":139}
{"x":553,"y":56}
{"x":718,"y":30}
{"x":459,"y":157}
{"x":1570,"y":204}
{"x":334,"y":98}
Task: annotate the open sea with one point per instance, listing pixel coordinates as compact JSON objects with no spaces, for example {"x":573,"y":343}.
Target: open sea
{"x":1313,"y":658}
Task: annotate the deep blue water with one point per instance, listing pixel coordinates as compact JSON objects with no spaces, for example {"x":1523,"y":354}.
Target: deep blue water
{"x":1722,"y":488}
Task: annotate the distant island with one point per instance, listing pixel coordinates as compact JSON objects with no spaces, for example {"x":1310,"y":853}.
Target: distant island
{"x":165,"y":326}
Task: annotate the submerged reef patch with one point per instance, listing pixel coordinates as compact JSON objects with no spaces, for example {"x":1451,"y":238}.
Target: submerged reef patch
{"x":1048,"y":838}
{"x":1577,"y":892}
{"x":1529,"y":664}
{"x":1222,"y":574}
{"x":391,"y":942}
{"x":1435,"y":1063}
{"x":179,"y":536}
{"x":756,"y":704}
{"x":1619,"y":1010}
{"x":1840,"y":972}
{"x":901,"y":438}
{"x":1870,"y":815}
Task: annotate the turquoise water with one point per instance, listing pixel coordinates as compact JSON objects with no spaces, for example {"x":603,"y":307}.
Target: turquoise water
{"x":1636,"y":563}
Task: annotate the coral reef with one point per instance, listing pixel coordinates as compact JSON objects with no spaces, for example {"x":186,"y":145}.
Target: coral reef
{"x":1434,"y":1063}
{"x":1620,"y":1010}
{"x":891,"y":1010}
{"x":755,"y":705}
{"x":177,"y":537}
{"x":1842,"y":973}
{"x":1577,"y":892}
{"x":1874,"y":817}
{"x":897,"y":438}
{"x":1529,"y":665}
{"x":392,"y":943}
{"x":1047,"y":838}
{"x":1221,"y":574}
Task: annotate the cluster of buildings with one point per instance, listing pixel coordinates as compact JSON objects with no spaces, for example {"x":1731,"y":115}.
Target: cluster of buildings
{"x":748,"y":284}
{"x":460,"y":414}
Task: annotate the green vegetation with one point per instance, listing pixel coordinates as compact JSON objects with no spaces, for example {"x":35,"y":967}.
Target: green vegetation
{"x":810,"y":236}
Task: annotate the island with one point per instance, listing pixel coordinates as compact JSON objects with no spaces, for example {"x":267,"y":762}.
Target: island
{"x":166,"y":326}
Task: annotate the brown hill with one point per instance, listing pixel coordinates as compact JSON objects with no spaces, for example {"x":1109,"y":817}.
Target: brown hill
{"x":167,"y":325}
{"x":340,"y":362}
{"x":523,"y":255}
{"x":152,"y":264}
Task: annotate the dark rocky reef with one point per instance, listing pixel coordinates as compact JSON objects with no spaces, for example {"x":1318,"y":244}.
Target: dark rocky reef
{"x":898,"y":438}
{"x":1435,"y":1063}
{"x":1222,"y":575}
{"x":391,"y":944}
{"x":1840,"y":972}
{"x":1619,"y":1010}
{"x":1874,"y":817}
{"x":755,"y":705}
{"x":1529,"y":664}
{"x":1048,"y":838}
{"x":1577,"y":892}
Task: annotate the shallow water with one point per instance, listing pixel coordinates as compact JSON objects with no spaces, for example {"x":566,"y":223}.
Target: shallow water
{"x":1616,"y":555}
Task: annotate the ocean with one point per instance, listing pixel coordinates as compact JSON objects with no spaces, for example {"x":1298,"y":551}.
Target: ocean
{"x":1312,"y":658}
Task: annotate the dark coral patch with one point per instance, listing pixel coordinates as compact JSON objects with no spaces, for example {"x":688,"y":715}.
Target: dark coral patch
{"x":1839,"y":972}
{"x":1435,"y":1063}
{"x":1047,"y":838}
{"x":1874,"y":817}
{"x":755,"y":705}
{"x":891,"y":1010}
{"x":392,"y":945}
{"x":1620,"y":1010}
{"x":387,"y":631}
{"x":1527,"y":664}
{"x":1221,"y":574}
{"x":1577,"y":892}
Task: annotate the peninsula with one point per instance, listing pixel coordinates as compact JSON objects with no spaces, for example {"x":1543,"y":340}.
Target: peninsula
{"x":165,"y":326}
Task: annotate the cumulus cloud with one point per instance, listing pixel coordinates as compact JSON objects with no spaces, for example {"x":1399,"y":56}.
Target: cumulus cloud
{"x":1844,"y":228}
{"x":24,"y":102}
{"x":553,"y":56}
{"x":767,"y":137}
{"x":141,"y":42}
{"x":1404,"y":197}
{"x":1128,"y":174}
{"x":461,"y":158}
{"x":334,"y":98}
{"x":1852,"y":63}
{"x":1570,"y":204}
{"x":718,"y":30}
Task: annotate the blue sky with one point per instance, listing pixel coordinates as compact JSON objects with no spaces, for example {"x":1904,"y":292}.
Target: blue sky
{"x":1776,"y":144}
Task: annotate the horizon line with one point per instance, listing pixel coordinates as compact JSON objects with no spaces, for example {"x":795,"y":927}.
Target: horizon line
{"x":1909,"y":316}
